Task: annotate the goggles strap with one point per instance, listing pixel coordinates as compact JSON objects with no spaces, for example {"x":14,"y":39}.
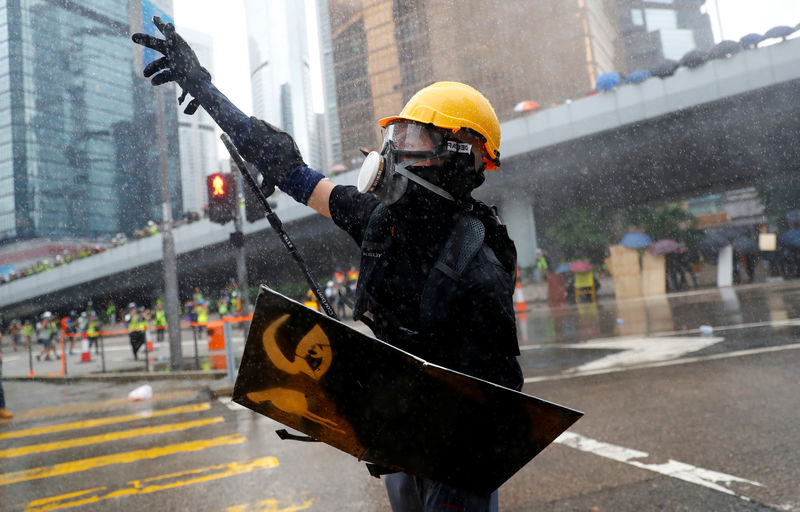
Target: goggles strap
{"x":403,"y":171}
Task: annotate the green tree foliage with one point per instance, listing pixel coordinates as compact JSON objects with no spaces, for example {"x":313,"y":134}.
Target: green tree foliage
{"x":668,"y":221}
{"x":579,"y":233}
{"x":779,"y":199}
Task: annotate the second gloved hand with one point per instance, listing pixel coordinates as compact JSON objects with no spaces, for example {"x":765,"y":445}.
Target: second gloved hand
{"x":179,"y":64}
{"x":273,"y":152}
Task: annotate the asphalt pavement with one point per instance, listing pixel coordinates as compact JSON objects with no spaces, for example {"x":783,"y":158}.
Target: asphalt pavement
{"x":689,"y":401}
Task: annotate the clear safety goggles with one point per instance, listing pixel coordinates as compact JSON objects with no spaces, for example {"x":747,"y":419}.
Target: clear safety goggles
{"x":410,"y":139}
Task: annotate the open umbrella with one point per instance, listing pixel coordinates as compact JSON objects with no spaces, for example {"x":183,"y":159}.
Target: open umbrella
{"x":664,"y":246}
{"x":563,"y":268}
{"x":710,"y":245}
{"x":694,"y":58}
{"x":751,"y":40}
{"x":791,"y":238}
{"x":607,"y":81}
{"x":745,"y":244}
{"x":638,"y":76}
{"x":636,"y":240}
{"x":580,"y":266}
{"x":725,"y":49}
{"x":781,"y":31}
{"x":526,"y":105}
{"x":665,"y":68}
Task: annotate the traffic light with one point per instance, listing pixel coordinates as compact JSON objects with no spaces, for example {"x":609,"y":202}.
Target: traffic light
{"x":221,"y":197}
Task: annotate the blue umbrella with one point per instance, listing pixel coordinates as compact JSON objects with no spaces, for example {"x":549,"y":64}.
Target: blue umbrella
{"x":636,"y":240}
{"x":638,"y":76}
{"x":608,"y":81}
{"x":791,"y":238}
{"x":781,"y":31}
{"x":563,"y":268}
{"x":751,"y":40}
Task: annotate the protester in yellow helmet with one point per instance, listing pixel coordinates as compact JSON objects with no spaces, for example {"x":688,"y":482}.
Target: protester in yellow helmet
{"x":437,"y":268}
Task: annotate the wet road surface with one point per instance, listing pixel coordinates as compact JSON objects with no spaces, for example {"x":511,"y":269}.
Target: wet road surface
{"x":675,"y":420}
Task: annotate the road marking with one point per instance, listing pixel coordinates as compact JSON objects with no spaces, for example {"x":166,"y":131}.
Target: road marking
{"x":680,"y":470}
{"x":270,"y":505}
{"x":640,"y":350}
{"x":148,"y":485}
{"x":80,"y":408}
{"x":674,"y":362}
{"x":99,"y":422}
{"x":107,"y":438}
{"x":117,"y":458}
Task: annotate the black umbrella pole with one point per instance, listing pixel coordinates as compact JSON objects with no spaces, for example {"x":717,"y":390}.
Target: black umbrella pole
{"x":277,"y":225}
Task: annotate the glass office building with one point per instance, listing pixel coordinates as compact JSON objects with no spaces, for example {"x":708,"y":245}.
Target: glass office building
{"x":654,"y":30}
{"x":78,"y":151}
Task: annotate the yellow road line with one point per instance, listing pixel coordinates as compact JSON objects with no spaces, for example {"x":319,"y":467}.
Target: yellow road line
{"x":136,"y":487}
{"x":117,"y":458}
{"x":99,"y":422}
{"x":270,"y":505}
{"x":108,"y":437}
{"x":68,"y":409}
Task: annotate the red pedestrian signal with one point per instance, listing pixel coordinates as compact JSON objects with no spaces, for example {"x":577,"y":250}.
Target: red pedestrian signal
{"x":218,"y":185}
{"x":221,"y":197}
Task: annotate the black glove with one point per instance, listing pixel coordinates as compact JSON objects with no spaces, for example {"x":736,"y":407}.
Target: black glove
{"x":272,"y":151}
{"x":179,"y":64}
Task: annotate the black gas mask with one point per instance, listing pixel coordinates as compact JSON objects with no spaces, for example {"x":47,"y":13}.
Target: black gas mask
{"x":425,"y":155}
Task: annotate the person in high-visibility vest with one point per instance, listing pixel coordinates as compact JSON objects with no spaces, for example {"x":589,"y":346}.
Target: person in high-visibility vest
{"x":93,"y":334}
{"x":27,"y":332}
{"x":160,"y":321}
{"x":202,"y":315}
{"x":234,"y":309}
{"x":111,"y":313}
{"x":222,"y":307}
{"x":136,"y":334}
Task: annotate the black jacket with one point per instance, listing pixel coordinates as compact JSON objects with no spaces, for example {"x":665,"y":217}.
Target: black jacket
{"x":472,"y":327}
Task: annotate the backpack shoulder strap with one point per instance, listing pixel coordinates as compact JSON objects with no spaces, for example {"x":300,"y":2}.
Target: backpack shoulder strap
{"x":460,"y":249}
{"x":377,"y":237}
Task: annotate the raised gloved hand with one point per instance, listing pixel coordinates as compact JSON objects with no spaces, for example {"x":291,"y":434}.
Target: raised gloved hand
{"x":179,"y":64}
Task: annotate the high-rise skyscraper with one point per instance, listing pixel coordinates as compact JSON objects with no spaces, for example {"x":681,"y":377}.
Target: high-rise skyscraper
{"x":653,"y":30}
{"x":198,"y":141}
{"x":331,"y":142}
{"x":514,"y":50}
{"x":280,"y":70}
{"x":81,"y":159}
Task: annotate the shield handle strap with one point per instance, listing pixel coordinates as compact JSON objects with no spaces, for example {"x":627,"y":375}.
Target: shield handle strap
{"x":284,"y":435}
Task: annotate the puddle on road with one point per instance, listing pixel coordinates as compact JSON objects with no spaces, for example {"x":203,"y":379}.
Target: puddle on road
{"x":659,"y":315}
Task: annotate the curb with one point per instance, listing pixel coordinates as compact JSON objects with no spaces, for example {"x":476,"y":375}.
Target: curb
{"x":220,"y":389}
{"x":123,"y":377}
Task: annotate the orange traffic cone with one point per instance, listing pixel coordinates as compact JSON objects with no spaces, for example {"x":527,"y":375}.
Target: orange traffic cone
{"x":519,"y":298}
{"x":86,"y":354}
{"x":521,"y":308}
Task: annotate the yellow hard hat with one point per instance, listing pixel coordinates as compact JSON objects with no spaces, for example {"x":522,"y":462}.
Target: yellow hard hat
{"x":455,"y":106}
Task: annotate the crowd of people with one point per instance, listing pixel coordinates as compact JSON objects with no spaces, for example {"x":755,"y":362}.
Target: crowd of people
{"x":137,"y":319}
{"x":340,"y":291}
{"x":69,"y":255}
